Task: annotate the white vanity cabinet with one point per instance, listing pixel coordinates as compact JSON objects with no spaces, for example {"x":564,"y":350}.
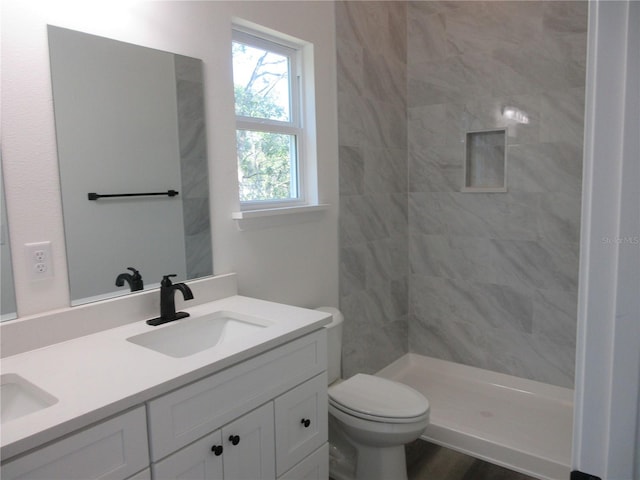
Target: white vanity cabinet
{"x":115,"y":449}
{"x":258,"y":419}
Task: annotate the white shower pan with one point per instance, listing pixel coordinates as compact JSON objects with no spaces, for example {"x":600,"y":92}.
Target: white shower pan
{"x":509,"y":421}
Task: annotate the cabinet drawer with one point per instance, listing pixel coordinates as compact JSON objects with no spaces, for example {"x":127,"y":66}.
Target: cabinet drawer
{"x":113,"y":450}
{"x":182,"y":416}
{"x":301,"y":422}
{"x":314,"y":467}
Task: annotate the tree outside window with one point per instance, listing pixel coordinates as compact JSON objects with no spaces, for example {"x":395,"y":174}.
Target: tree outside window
{"x":266,"y":119}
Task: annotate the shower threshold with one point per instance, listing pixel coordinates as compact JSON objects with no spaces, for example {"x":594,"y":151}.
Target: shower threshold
{"x":509,"y":421}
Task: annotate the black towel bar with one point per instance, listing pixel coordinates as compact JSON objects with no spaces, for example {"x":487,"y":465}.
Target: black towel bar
{"x":96,"y":196}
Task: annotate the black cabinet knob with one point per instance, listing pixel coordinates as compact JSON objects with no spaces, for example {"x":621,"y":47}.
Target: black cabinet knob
{"x":234,"y":439}
{"x":306,"y":422}
{"x":217,"y":450}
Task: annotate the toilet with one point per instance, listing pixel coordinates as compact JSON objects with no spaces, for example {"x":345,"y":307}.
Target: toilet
{"x":370,"y":418}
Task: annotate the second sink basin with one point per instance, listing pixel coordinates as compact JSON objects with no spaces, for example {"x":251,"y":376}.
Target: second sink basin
{"x":191,"y":335}
{"x":18,"y":397}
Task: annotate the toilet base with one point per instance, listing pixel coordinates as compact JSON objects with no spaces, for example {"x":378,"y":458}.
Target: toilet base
{"x":350,"y":459}
{"x":387,"y":463}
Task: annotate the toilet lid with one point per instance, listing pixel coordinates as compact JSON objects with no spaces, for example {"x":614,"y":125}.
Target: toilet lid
{"x":378,"y":397}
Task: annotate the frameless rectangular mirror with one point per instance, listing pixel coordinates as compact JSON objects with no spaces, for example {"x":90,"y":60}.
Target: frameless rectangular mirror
{"x":130,"y":129}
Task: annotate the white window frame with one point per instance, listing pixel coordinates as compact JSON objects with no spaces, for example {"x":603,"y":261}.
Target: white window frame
{"x":293,"y":127}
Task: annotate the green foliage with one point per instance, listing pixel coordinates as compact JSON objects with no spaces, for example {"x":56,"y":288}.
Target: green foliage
{"x":264,"y":165}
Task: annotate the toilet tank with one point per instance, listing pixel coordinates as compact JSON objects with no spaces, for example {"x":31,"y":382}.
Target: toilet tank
{"x":334,"y":344}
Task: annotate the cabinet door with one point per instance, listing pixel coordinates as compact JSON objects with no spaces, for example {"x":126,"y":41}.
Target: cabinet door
{"x":249,"y":452}
{"x":301,"y":422}
{"x":202,"y":460}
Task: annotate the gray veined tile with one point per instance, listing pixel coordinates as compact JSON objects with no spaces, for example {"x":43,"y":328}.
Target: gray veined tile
{"x":454,"y":258}
{"x":350,"y":68}
{"x":444,"y":81}
{"x":384,"y":124}
{"x":191,"y":120}
{"x":357,"y":22}
{"x":397,"y":31}
{"x":426,"y":213}
{"x":188,"y":68}
{"x":520,"y":218}
{"x":351,"y":167}
{"x":385,"y":170}
{"x":386,"y":260}
{"x":199,"y":257}
{"x":195,"y":177}
{"x":360,"y":221}
{"x":434,"y":125}
{"x":352,"y":269}
{"x":562,"y":116}
{"x":196,"y":215}
{"x":475,"y":214}
{"x":559,"y":218}
{"x":393,"y":211}
{"x":528,"y":356}
{"x":380,"y":26}
{"x":437,"y":168}
{"x":447,"y":340}
{"x":433,"y":7}
{"x":536,"y":264}
{"x":555,"y":316}
{"x":540,"y":66}
{"x":476,"y":302}
{"x":400,"y":294}
{"x":427,"y":35}
{"x":384,"y":80}
{"x":545,"y":167}
{"x":565,"y":17}
{"x":484,"y":26}
{"x":350,"y":119}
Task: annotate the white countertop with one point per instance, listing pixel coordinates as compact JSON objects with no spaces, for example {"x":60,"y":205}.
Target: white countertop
{"x":99,"y":375}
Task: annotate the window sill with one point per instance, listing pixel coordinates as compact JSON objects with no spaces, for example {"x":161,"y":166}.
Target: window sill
{"x":275,"y":217}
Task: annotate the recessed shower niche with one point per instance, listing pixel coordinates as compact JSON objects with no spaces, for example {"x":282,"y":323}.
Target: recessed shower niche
{"x":485,"y":168}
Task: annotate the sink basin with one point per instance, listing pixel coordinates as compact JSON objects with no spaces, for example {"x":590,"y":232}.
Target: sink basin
{"x":191,"y":335}
{"x":18,"y":397}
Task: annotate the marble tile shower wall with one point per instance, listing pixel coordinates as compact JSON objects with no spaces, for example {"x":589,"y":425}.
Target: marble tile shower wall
{"x":371,"y":49}
{"x":494,"y":277}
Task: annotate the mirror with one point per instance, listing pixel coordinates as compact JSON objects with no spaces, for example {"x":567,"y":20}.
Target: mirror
{"x":7,"y":292}
{"x":130,"y":129}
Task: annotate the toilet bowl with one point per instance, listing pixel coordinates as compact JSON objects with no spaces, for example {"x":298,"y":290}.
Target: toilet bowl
{"x":370,"y":416}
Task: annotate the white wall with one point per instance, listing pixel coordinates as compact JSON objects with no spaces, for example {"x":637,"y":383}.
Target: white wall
{"x":296,"y":264}
{"x":608,"y":341}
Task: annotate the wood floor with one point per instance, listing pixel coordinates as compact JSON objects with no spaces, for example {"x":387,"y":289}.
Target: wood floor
{"x":426,"y":461}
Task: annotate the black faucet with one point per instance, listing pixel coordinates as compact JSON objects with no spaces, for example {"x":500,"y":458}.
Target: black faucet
{"x":134,"y":280}
{"x":167,"y":301}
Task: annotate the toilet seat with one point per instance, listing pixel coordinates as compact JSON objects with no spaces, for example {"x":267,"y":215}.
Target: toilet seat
{"x":378,"y":399}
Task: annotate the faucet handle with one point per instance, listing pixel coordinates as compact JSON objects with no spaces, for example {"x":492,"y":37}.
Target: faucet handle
{"x":166,"y":280}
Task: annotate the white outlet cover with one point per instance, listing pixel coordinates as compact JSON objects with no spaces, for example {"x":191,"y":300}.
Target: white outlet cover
{"x":39,"y":260}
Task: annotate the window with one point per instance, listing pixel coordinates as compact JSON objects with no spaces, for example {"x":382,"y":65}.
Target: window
{"x":269,"y":131}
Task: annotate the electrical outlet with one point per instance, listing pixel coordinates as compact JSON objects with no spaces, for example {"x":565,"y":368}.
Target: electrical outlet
{"x":39,"y":260}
